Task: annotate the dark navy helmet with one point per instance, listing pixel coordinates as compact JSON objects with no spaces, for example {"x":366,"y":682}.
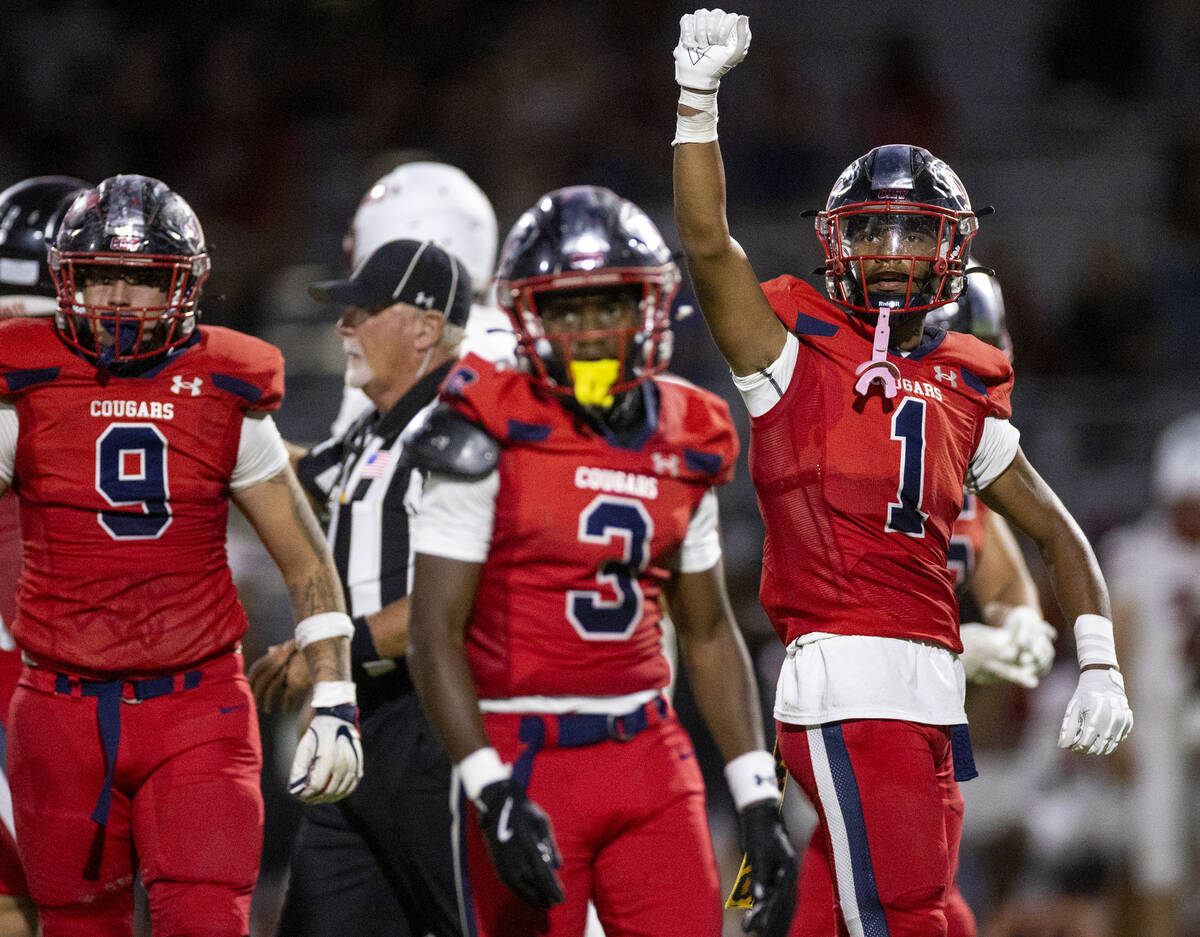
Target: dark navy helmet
{"x":896,"y":230}
{"x":133,"y":229}
{"x":30,"y":212}
{"x":979,"y":311}
{"x":588,"y":239}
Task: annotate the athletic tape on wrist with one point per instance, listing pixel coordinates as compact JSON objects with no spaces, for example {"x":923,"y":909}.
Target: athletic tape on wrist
{"x":696,"y":128}
{"x":751,"y":778}
{"x":1094,"y":641}
{"x":321,"y":626}
{"x":481,"y":768}
{"x":329,"y":693}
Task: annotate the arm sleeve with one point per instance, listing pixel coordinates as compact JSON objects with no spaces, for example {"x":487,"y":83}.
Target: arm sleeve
{"x":701,"y":547}
{"x":761,"y":391}
{"x":997,"y":448}
{"x":9,"y":427}
{"x":456,"y":517}
{"x":261,"y":453}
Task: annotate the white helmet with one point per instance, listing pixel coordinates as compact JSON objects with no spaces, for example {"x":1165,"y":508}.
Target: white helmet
{"x":428,"y":201}
{"x":1177,"y":461}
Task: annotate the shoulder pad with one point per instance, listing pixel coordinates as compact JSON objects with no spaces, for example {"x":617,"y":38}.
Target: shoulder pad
{"x":448,"y":442}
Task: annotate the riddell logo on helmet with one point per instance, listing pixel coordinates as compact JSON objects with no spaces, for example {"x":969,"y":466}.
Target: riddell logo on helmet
{"x":124,"y":242}
{"x":893,"y":193}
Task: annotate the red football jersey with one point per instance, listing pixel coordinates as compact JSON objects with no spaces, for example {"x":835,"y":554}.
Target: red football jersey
{"x":570,"y":597}
{"x":966,"y":542}
{"x":10,"y":569}
{"x":124,"y":491}
{"x":859,"y":495}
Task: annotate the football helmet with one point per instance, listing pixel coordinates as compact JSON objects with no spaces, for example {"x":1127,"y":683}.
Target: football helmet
{"x":427,"y":201}
{"x":978,"y":311}
{"x":897,"y":207}
{"x":30,"y":212}
{"x":588,"y":238}
{"x":136,"y":229}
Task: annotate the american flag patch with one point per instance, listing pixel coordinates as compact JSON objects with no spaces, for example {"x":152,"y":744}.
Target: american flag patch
{"x":377,"y":464}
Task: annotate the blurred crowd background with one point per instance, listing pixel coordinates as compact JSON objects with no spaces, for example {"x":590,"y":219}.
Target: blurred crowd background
{"x":1079,"y":120}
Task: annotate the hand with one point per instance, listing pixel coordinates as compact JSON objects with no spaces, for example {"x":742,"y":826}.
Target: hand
{"x":773,"y":867}
{"x":1098,"y":716}
{"x":711,"y":42}
{"x":521,"y":843}
{"x":1034,"y":637}
{"x":280,"y":679}
{"x":991,"y":654}
{"x":329,"y":758}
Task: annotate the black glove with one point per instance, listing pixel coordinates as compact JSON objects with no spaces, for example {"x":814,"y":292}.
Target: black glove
{"x":773,"y":867}
{"x":521,"y":843}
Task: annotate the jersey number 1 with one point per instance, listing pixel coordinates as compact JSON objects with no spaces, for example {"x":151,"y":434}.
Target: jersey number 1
{"x":908,"y":426}
{"x":131,"y":471}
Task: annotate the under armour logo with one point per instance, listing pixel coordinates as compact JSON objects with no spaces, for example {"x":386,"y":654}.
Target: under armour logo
{"x":665,"y":464}
{"x":423,"y":299}
{"x":179,"y":385}
{"x":946,"y":375}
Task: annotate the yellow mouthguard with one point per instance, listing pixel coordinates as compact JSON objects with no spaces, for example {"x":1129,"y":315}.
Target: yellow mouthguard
{"x":593,"y":379}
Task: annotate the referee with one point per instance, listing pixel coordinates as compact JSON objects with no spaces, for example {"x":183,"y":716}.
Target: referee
{"x":378,"y":863}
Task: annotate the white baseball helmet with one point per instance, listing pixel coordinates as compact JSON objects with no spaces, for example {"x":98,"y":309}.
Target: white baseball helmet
{"x":428,"y":201}
{"x":1177,"y":461}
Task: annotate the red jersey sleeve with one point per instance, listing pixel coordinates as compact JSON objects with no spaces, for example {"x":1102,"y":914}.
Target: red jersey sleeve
{"x":246,"y":367}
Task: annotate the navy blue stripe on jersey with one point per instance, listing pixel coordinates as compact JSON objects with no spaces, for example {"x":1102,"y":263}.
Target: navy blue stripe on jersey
{"x":707,"y":462}
{"x":19,"y":380}
{"x":874,"y":923}
{"x":810,"y":325}
{"x":931,"y":339}
{"x":520,"y":431}
{"x":233,"y":385}
{"x":973,"y":381}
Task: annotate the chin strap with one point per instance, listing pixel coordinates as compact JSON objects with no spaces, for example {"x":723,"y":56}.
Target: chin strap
{"x":878,"y":369}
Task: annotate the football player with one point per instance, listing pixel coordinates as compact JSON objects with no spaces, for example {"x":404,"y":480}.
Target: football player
{"x":431,"y":201}
{"x":1013,"y":642}
{"x":566,"y":500}
{"x":29,"y":215}
{"x":125,"y":432}
{"x":864,"y":429}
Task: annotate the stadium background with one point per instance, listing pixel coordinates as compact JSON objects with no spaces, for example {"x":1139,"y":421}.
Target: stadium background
{"x":1077,"y":120}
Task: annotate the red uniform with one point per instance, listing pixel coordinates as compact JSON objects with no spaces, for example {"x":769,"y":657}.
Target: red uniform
{"x":126,"y":596}
{"x":12,"y":878}
{"x":568,"y":605}
{"x":860,"y":496}
{"x":966,"y":543}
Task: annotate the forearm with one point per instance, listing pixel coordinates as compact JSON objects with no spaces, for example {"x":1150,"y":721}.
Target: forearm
{"x":700,"y":214}
{"x":1075,"y":573}
{"x":722,"y":678}
{"x":443,"y":681}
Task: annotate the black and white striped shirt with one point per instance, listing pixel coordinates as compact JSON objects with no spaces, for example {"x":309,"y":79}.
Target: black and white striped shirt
{"x":369,"y":491}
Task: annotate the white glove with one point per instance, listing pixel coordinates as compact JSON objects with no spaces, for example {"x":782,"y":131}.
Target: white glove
{"x":990,"y":654}
{"x":329,"y":758}
{"x":711,"y":42}
{"x":1098,"y":716}
{"x":1034,"y":637}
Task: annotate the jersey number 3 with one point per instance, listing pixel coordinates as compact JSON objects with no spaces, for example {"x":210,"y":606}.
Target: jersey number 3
{"x":595,"y":617}
{"x":131,"y":472}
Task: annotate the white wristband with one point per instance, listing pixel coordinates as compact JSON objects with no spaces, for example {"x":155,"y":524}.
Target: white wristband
{"x":329,"y":693}
{"x":1094,"y":641}
{"x":751,"y":778}
{"x":481,"y":768}
{"x":321,"y":626}
{"x":696,"y":128}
